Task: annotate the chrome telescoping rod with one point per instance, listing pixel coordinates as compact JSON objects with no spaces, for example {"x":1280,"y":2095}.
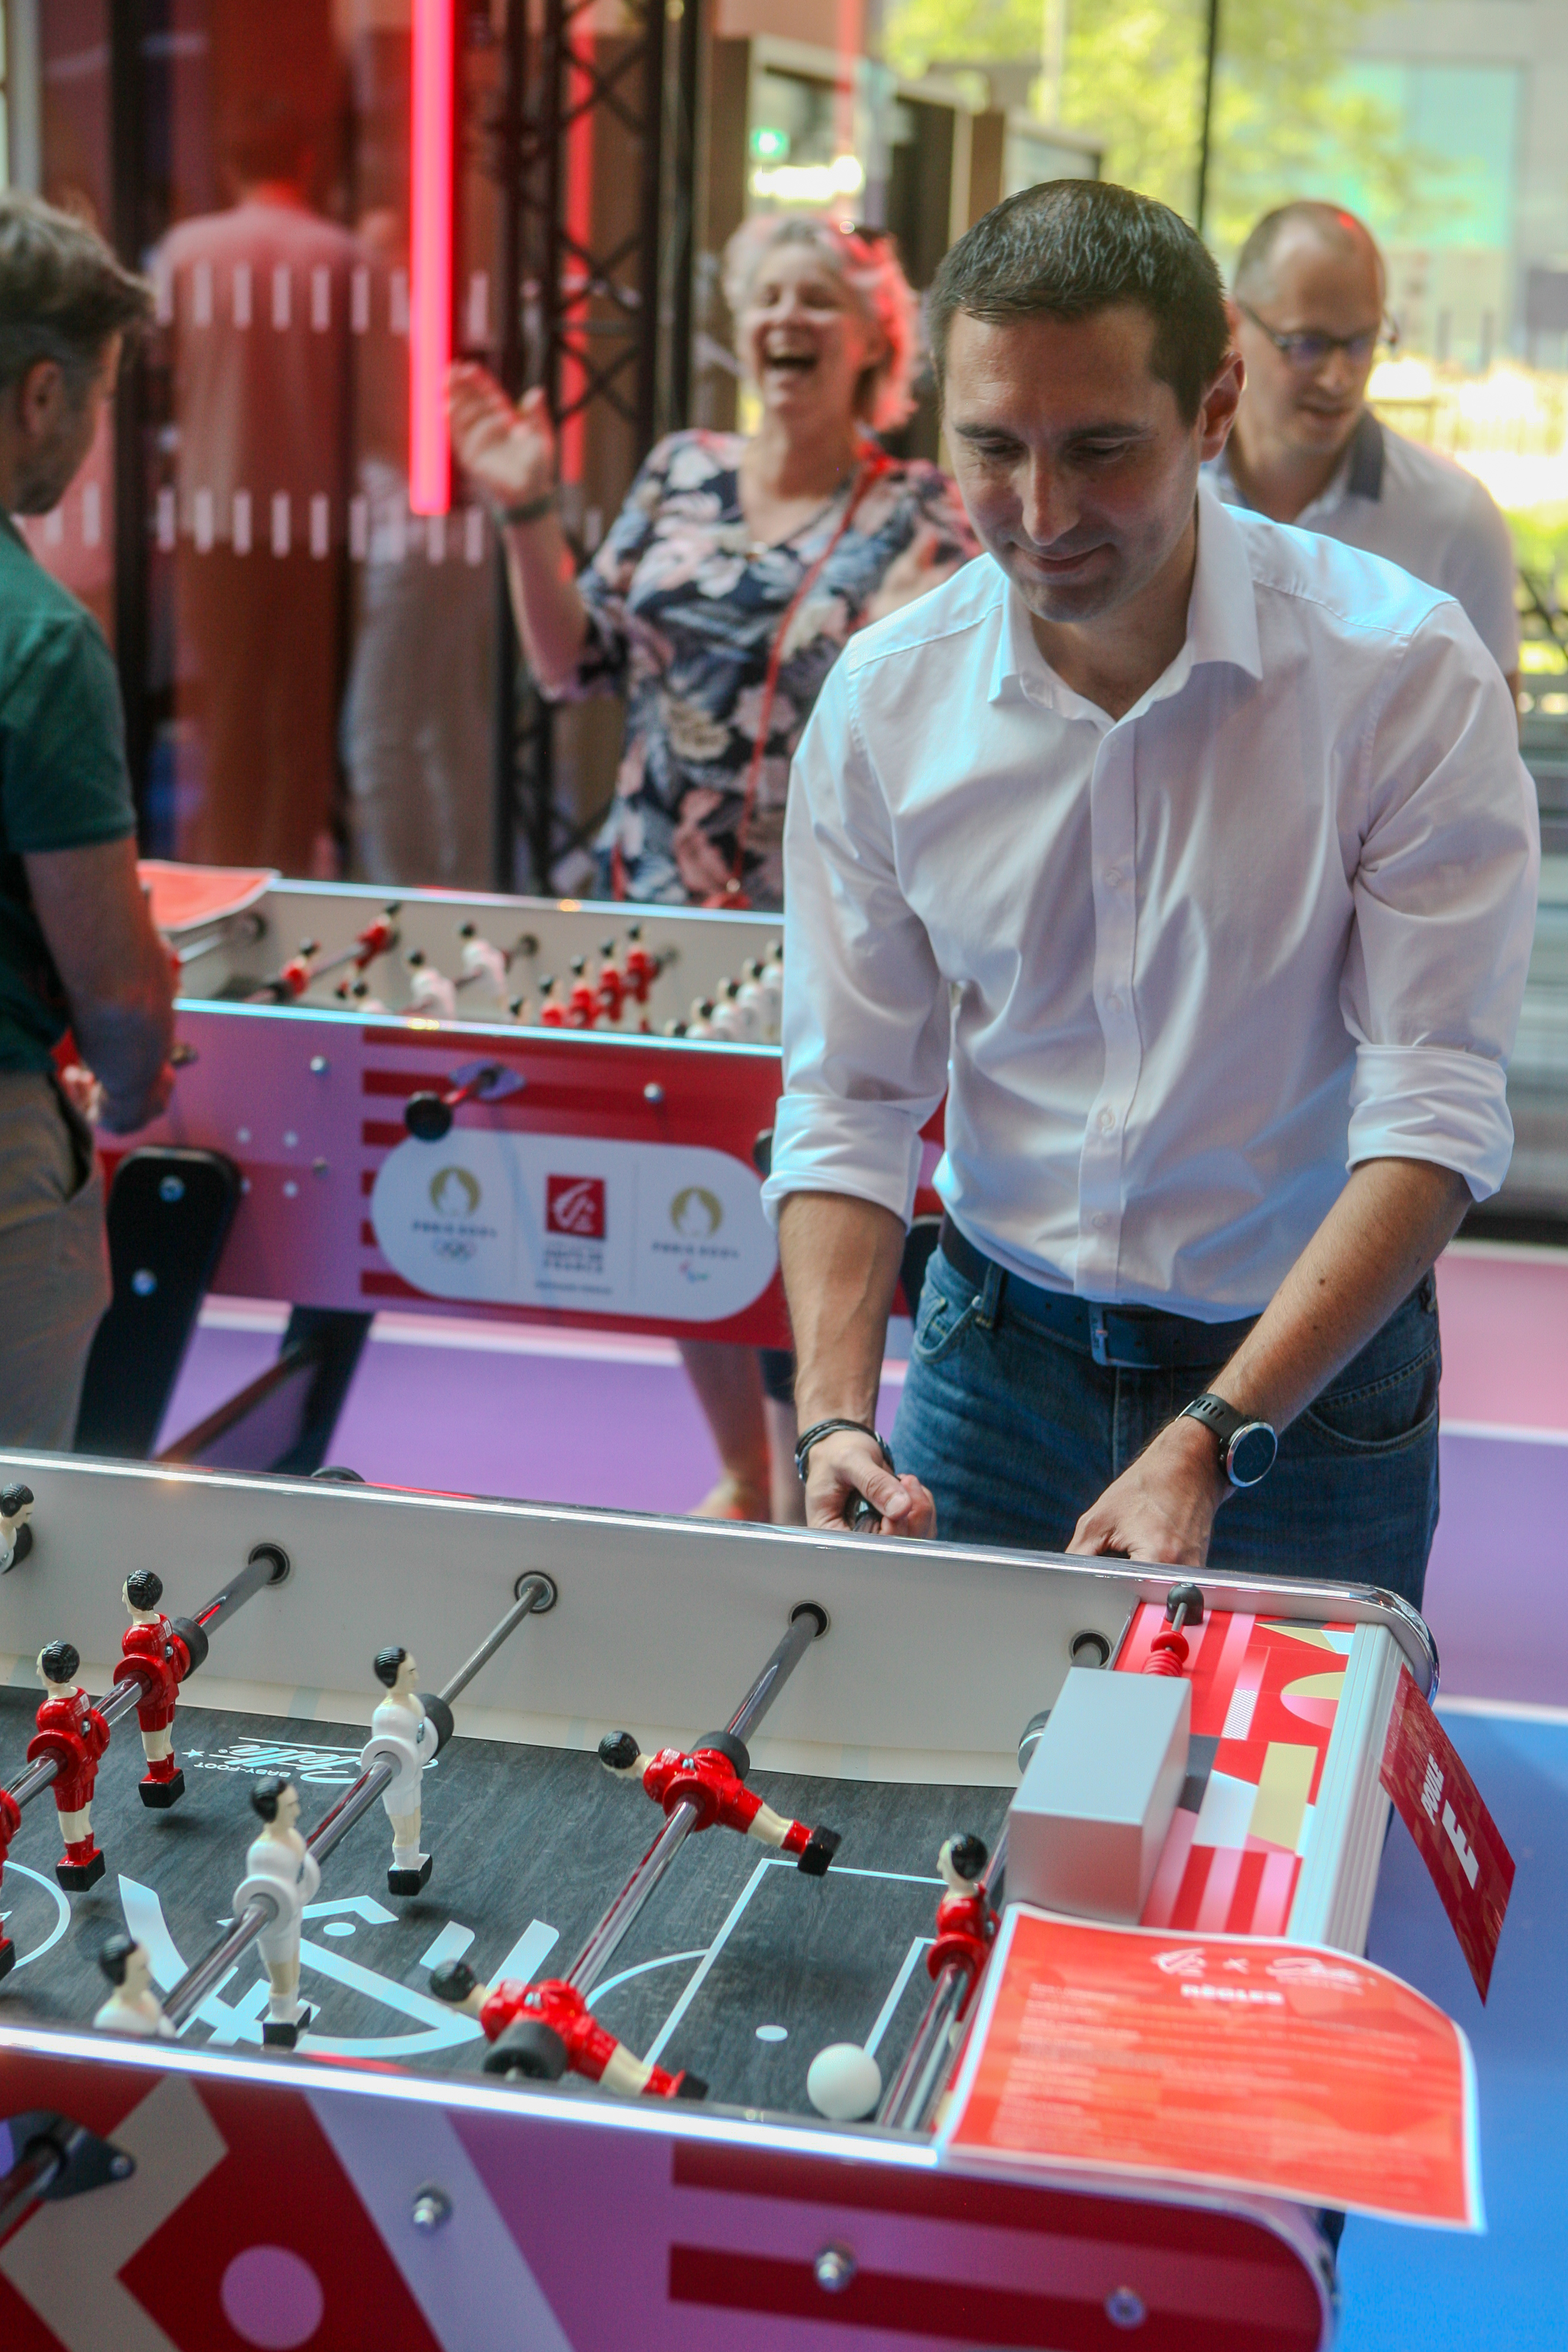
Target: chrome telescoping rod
{"x":911,"y":2096}
{"x":536,"y":1593}
{"x":268,"y":1564}
{"x":30,"y":2178}
{"x":806,"y":1624}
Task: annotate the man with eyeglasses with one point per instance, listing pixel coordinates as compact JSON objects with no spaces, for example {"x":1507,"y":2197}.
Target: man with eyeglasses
{"x":1310,"y":293}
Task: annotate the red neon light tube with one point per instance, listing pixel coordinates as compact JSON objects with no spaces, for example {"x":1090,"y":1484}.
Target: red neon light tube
{"x":430,"y":257}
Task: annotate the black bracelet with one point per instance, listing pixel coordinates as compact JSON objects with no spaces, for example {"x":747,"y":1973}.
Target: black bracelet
{"x":530,"y":510}
{"x":808,"y":1438}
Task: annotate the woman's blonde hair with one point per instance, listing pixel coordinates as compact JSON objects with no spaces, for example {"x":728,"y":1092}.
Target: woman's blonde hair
{"x":867,"y":261}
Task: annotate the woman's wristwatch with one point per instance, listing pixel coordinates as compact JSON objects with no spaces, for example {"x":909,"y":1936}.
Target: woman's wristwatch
{"x":1247,"y":1447}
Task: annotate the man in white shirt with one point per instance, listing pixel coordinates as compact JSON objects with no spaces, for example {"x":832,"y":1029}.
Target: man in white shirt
{"x":1194,"y":860}
{"x":1310,"y":292}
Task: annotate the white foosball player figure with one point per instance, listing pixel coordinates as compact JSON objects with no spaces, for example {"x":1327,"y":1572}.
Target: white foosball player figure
{"x":432,"y":992}
{"x":402,"y":1736}
{"x":282,"y":1869}
{"x":484,"y":964}
{"x":132,"y":2006}
{"x":16,"y":1536}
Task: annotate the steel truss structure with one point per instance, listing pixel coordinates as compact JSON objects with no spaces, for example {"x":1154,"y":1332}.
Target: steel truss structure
{"x":596,"y":165}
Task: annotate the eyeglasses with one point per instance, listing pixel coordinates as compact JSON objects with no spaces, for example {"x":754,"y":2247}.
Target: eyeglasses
{"x":1308,"y":350}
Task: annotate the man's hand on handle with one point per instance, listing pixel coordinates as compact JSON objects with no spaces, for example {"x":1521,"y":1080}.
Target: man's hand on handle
{"x":1381,"y":1235}
{"x":1161,"y":1507}
{"x":850,"y":1463}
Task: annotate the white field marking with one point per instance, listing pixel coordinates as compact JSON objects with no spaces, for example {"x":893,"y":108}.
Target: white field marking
{"x":1508,"y":1710}
{"x":665,"y":1960}
{"x":449,"y":1945}
{"x":886,"y":2013}
{"x":699,"y":1975}
{"x":363,"y":1906}
{"x":537,"y":1940}
{"x":768,"y":1862}
{"x":62,"y":1913}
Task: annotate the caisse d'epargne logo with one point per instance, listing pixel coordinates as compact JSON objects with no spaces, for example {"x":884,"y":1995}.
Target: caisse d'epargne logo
{"x":574,"y":1206}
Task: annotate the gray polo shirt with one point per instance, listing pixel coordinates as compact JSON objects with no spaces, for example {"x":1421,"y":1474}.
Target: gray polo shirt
{"x":1395,"y":498}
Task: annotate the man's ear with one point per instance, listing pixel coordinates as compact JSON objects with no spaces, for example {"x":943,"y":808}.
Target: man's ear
{"x":1216,"y":413}
{"x":40,"y":396}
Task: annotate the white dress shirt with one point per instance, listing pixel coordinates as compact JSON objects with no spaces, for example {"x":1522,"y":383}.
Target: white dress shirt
{"x":1423,"y":512}
{"x":1190,"y":965}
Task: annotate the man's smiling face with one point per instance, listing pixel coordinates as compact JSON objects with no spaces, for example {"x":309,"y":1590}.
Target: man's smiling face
{"x":1074,"y":462}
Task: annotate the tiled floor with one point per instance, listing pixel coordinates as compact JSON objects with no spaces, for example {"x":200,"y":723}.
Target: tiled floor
{"x":580,"y":1419}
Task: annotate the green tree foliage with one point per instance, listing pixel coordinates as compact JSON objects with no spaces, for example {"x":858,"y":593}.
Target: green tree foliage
{"x":1286,"y":120}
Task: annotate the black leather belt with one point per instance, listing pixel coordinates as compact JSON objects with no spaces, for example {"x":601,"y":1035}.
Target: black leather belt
{"x":1134,"y":1338}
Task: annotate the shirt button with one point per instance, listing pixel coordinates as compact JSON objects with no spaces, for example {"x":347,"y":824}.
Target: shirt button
{"x":1100,"y":1221}
{"x":1113,"y":1004}
{"x":1107,"y":1121}
{"x":1113,"y":877}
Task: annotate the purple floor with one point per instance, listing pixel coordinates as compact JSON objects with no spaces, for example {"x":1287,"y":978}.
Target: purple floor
{"x":612,"y":1422}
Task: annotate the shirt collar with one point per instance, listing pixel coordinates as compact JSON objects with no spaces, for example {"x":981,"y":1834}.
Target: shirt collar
{"x":1221,"y":623}
{"x":1358,"y":475}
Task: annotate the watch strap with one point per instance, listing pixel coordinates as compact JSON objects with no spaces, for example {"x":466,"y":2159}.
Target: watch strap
{"x":1216,"y":1415}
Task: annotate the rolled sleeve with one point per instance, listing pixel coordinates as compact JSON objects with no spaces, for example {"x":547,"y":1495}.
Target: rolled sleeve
{"x":865,"y":1022}
{"x":1445,"y":913}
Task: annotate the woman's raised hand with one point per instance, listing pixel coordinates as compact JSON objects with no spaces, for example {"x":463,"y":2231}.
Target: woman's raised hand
{"x":509,"y":452}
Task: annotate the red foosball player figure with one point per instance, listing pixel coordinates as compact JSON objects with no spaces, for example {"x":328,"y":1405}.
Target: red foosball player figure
{"x":711,"y":1775}
{"x":10,"y":1823}
{"x":611,"y":985}
{"x":965,"y":1924}
{"x":641,"y":965}
{"x":72,"y":1731}
{"x":153,"y":1656}
{"x":544,"y":2031}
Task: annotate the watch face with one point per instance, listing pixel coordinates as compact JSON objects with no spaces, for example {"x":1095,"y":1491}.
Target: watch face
{"x":1252,"y":1452}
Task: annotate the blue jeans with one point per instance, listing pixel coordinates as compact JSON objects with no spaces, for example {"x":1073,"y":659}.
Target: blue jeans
{"x":1017,"y":1432}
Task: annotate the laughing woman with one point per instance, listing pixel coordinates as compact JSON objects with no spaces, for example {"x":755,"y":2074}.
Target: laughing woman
{"x":732,"y":579}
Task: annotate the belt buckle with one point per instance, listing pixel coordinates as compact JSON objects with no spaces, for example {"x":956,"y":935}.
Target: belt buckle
{"x":1100,"y":1345}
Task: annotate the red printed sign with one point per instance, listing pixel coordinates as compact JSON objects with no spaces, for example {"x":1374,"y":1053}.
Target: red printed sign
{"x":1241,"y":2062}
{"x":575,"y":1205}
{"x":1457,"y":1838}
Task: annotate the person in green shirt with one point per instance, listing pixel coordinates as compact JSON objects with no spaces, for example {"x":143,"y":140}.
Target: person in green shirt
{"x":78,"y":948}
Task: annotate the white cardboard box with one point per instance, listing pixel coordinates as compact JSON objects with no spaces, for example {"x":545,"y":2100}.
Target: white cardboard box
{"x":1091,"y":1815}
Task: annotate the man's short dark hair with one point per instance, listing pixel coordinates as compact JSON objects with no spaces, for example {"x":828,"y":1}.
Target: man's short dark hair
{"x":62,"y":293}
{"x":144,"y":1588}
{"x":59,"y":1662}
{"x":387,"y":1662}
{"x":1070,"y":248}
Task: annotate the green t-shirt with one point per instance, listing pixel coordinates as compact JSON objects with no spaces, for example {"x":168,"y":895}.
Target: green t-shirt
{"x":63,"y":778}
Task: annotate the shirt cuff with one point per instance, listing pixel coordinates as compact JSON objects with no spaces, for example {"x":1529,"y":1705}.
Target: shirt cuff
{"x":1428,"y":1102}
{"x":868,"y":1150}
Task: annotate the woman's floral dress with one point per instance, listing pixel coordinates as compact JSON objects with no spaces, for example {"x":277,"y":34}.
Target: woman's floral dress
{"x":682,"y":613}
